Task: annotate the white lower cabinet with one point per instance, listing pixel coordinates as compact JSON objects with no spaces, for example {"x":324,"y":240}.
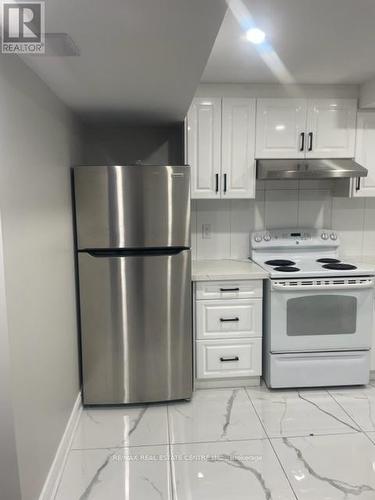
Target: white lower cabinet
{"x":228,"y":290}
{"x":228,"y":358}
{"x":217,"y":319}
{"x":228,"y":332}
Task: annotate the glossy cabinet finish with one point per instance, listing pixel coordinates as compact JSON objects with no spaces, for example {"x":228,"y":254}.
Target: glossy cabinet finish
{"x":331,"y":128}
{"x":228,"y":318}
{"x":229,"y":289}
{"x":279,"y":127}
{"x":238,"y":144}
{"x":228,"y":330}
{"x":203,"y":136}
{"x":220,"y":135}
{"x":365,"y":154}
{"x":305,"y":128}
{"x":229,"y":358}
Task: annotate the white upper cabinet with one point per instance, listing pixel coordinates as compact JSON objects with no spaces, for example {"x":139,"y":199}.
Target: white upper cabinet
{"x":281,"y":128}
{"x":204,"y":147}
{"x":365,"y":153}
{"x":238,"y":148}
{"x":301,"y":128}
{"x":220,"y":136}
{"x":331,"y":125}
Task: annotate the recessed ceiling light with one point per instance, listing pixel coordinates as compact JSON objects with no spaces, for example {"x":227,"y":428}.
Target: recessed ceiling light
{"x":255,"y":35}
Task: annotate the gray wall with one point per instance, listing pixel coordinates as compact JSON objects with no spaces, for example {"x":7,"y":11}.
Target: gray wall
{"x":38,"y":143}
{"x":9,"y":478}
{"x":116,"y":144}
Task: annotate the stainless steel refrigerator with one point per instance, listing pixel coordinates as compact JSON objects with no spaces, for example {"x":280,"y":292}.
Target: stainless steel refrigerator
{"x":134,"y":274}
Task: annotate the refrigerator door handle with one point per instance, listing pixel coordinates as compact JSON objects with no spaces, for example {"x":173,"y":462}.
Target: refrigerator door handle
{"x":134,"y":252}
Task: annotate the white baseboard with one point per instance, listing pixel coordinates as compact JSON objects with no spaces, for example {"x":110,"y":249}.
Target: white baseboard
{"x":57,"y":467}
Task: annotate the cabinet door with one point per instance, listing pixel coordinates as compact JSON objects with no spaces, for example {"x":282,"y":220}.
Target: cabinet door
{"x":331,"y":128}
{"x":228,"y":358}
{"x":238,"y":143}
{"x":280,"y":125}
{"x":217,"y":319}
{"x":365,"y":153}
{"x":203,"y":147}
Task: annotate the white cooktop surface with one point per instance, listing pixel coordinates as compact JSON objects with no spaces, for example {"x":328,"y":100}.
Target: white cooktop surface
{"x":304,"y":247}
{"x":308,"y":267}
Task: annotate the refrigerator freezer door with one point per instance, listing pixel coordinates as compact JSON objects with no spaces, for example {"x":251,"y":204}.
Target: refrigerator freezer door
{"x":135,"y":206}
{"x":136,"y":328}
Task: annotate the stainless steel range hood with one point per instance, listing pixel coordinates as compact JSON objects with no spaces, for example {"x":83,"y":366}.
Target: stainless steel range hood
{"x":309,"y":169}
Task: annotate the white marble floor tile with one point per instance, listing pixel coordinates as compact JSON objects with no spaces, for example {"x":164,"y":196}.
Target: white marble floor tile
{"x":299,"y":413}
{"x":359,"y":403}
{"x":117,"y":474}
{"x":371,"y":436}
{"x":231,"y":470}
{"x":329,"y":467}
{"x":214,"y":415}
{"x":115,"y":427}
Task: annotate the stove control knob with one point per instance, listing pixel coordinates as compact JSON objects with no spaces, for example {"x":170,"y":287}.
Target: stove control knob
{"x":258,"y":238}
{"x":333,"y":236}
{"x":324,"y":236}
{"x":267,"y":237}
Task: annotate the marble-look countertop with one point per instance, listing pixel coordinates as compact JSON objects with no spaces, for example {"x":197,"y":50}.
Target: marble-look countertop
{"x":226,"y":269}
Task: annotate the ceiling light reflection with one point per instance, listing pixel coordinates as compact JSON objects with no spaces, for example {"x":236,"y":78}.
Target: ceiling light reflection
{"x":255,"y":35}
{"x":265,"y":49}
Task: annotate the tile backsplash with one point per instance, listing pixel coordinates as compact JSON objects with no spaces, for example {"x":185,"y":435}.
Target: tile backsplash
{"x":221,"y":228}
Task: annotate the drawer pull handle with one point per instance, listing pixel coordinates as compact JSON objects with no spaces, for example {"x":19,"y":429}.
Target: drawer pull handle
{"x":229,"y":289}
{"x":229,"y":358}
{"x":224,"y":320}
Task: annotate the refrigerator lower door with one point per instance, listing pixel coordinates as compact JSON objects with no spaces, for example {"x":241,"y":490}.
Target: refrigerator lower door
{"x":136,"y":327}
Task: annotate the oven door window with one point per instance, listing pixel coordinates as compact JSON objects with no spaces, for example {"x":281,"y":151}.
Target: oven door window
{"x":321,"y":315}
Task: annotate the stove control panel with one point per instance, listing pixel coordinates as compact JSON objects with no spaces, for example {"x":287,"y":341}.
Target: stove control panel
{"x":292,"y":237}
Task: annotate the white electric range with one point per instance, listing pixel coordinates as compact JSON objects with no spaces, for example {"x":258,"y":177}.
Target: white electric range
{"x":318,"y":310}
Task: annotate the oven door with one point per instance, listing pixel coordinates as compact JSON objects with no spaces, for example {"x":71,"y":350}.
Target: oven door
{"x":320,"y":315}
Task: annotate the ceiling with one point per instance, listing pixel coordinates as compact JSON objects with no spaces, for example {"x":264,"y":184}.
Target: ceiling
{"x":140,"y":60}
{"x":319,"y":41}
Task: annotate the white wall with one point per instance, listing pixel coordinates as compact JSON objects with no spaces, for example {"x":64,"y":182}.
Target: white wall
{"x":282,"y":204}
{"x":38,"y":144}
{"x":367,"y":95}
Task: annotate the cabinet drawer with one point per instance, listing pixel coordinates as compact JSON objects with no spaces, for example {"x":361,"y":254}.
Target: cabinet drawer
{"x":217,"y":319}
{"x":228,"y":289}
{"x":228,"y":358}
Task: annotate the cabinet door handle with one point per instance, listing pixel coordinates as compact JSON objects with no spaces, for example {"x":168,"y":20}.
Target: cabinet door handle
{"x":302,"y":143}
{"x":229,"y":358}
{"x":229,"y":289}
{"x":216,"y":183}
{"x":228,"y":320}
{"x":358,"y":184}
{"x":225,"y":183}
{"x":310,"y":141}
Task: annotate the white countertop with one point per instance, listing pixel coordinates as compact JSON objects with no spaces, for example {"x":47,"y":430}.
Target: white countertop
{"x":226,"y":269}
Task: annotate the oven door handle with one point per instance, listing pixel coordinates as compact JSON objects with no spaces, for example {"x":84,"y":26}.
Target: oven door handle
{"x":334,"y":286}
